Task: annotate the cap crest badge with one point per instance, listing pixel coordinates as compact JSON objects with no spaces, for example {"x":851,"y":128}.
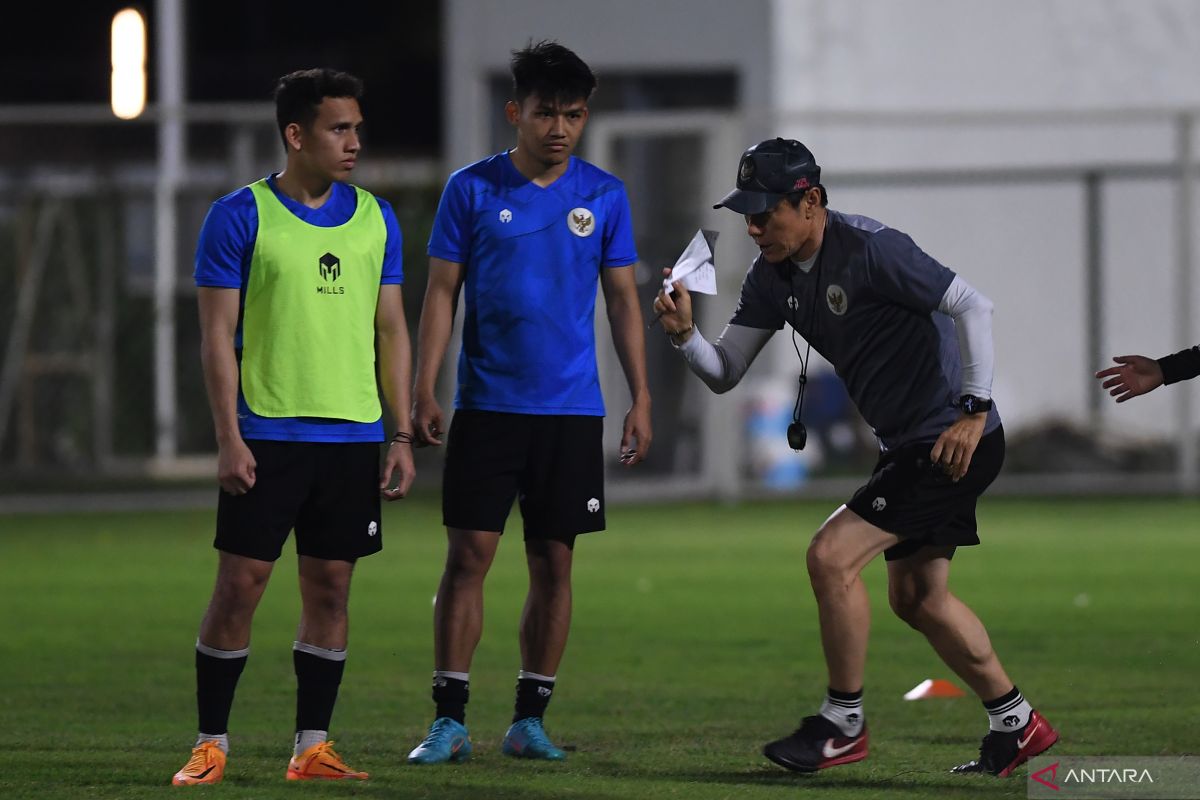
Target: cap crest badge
{"x":746,"y":169}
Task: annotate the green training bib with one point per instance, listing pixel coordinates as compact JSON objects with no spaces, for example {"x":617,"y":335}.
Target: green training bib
{"x":308,"y":324}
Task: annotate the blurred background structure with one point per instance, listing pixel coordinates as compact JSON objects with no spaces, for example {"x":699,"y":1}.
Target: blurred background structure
{"x":1044,"y":149}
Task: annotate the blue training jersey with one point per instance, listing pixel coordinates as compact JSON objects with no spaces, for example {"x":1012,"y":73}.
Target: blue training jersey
{"x":223,"y":256}
{"x":532,"y":258}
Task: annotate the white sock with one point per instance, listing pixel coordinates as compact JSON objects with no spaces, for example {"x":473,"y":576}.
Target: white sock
{"x":222,"y":740}
{"x":846,"y":713}
{"x":1009,"y":713}
{"x":306,"y":739}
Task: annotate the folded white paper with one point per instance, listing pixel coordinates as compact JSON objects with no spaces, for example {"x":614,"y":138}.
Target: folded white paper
{"x":696,"y":267}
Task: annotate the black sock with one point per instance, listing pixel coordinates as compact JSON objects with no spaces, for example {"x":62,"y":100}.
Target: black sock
{"x":451,"y":696}
{"x":217,"y":673}
{"x":533,"y":695}
{"x":318,"y":676}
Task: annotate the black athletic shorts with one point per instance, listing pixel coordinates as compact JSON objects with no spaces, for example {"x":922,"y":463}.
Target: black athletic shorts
{"x":912,"y":497}
{"x":327,"y":491}
{"x":553,"y":464}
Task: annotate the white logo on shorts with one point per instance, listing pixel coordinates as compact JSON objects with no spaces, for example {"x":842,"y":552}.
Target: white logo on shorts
{"x":506,"y":216}
{"x":372,"y":529}
{"x":879,"y":504}
{"x":593,"y":505}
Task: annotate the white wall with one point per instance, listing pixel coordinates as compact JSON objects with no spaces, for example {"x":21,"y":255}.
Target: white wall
{"x":624,"y":35}
{"x":986,"y":55}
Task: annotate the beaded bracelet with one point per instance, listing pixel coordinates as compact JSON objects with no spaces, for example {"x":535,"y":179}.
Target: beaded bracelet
{"x":675,"y":336}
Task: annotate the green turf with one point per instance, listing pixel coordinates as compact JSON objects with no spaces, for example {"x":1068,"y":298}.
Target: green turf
{"x":694,"y":642}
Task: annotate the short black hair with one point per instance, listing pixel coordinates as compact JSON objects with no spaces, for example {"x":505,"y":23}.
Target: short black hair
{"x":796,"y":197}
{"x":552,"y":72}
{"x":299,"y":94}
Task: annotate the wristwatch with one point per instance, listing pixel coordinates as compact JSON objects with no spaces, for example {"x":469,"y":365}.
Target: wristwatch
{"x":970,"y":404}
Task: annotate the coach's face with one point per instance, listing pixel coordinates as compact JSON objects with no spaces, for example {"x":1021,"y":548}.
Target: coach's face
{"x":786,"y":231}
{"x":329,"y":145}
{"x":547,"y":131}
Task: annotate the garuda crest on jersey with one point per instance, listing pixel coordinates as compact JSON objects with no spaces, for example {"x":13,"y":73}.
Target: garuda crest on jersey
{"x":835,"y":297}
{"x":581,"y":221}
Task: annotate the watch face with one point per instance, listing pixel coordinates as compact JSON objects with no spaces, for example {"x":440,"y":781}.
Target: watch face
{"x":974,"y":405}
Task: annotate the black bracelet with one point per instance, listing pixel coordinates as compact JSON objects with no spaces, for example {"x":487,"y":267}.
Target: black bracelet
{"x":403,"y":437}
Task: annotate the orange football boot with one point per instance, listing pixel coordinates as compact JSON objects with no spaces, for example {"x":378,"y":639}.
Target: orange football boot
{"x":320,"y":762}
{"x":207,"y":765}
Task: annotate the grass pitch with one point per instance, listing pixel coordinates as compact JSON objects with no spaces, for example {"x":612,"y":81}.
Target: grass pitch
{"x":694,"y":642}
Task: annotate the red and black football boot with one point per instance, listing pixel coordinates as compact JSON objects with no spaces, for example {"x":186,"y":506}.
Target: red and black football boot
{"x":817,"y":744}
{"x":1004,"y":751}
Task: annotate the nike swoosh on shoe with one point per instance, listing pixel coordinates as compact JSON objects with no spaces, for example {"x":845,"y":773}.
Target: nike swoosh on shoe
{"x":829,"y":751}
{"x":1022,"y":742}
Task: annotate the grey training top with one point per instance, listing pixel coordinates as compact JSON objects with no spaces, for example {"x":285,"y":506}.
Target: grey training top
{"x":869,"y":307}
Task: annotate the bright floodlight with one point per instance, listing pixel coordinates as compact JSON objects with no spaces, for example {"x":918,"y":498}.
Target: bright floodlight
{"x":128,"y":63}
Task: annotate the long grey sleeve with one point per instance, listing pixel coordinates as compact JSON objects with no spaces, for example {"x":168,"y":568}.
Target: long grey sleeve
{"x":723,"y":363}
{"x":972,"y":315}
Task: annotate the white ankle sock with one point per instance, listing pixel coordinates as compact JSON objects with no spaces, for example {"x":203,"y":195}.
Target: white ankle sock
{"x":846,"y":714}
{"x":222,"y":740}
{"x":306,"y":739}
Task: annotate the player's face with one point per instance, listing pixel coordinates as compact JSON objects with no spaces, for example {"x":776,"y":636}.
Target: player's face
{"x":547,"y":131}
{"x":329,"y":146}
{"x":782,"y":231}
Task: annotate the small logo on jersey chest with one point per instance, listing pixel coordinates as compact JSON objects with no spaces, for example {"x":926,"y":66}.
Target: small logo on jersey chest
{"x":330,"y":267}
{"x":505,"y":216}
{"x":581,"y":221}
{"x":792,"y":302}
{"x":835,"y":297}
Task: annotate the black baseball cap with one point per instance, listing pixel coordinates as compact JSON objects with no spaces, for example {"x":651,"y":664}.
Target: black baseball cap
{"x":769,"y":172}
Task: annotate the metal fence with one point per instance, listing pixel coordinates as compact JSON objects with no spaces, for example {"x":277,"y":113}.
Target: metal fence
{"x":99,"y":340}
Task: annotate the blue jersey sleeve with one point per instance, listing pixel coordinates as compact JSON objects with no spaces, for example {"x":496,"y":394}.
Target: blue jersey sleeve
{"x":904,"y":273}
{"x":226,"y":242}
{"x":393,"y":249}
{"x":450,"y":238}
{"x":619,"y":248}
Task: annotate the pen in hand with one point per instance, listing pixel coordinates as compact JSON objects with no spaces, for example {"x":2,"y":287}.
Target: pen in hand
{"x":658,"y":316}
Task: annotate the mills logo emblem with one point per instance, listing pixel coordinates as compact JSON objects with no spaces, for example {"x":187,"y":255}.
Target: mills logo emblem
{"x":331,"y":267}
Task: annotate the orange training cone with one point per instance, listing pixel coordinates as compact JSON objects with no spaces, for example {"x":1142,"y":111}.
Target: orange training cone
{"x":933,"y":687}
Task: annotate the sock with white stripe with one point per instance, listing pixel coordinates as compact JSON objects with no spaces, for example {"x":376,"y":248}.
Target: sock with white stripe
{"x":217,"y":673}
{"x":451,"y":691}
{"x":318,"y":677}
{"x":533,"y":695}
{"x":1009,"y":712}
{"x":844,"y":709}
